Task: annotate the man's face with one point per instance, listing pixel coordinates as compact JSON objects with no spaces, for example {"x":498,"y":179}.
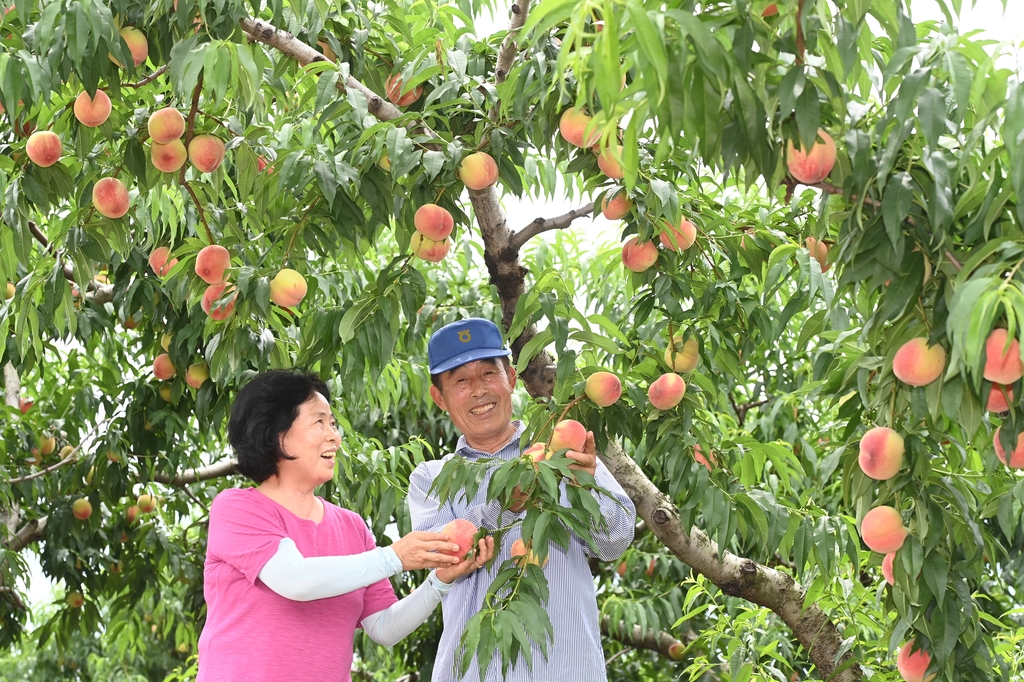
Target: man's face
{"x":478,"y":396}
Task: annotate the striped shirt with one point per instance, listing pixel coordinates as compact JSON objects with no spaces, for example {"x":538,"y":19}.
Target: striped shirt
{"x":575,"y":652}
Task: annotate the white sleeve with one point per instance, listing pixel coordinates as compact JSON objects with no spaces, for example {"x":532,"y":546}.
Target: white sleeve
{"x":298,"y":578}
{"x":393,"y":624}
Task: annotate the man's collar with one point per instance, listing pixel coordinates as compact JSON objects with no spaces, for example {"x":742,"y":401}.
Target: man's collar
{"x":464,"y":449}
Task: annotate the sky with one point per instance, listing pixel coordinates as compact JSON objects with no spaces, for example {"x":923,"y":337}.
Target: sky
{"x":987,"y":15}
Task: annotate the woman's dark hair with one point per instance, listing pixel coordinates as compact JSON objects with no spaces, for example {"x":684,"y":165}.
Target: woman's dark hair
{"x":264,"y":409}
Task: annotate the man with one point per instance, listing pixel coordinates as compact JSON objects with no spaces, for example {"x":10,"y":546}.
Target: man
{"x":473,"y":381}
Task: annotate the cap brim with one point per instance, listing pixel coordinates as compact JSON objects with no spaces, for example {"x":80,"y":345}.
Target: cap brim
{"x":478,"y":354}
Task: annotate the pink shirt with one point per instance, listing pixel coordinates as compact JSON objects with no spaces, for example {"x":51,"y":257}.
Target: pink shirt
{"x":252,"y":634}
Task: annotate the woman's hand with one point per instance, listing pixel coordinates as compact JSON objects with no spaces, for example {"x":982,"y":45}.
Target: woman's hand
{"x":420,"y":549}
{"x":484,"y":552}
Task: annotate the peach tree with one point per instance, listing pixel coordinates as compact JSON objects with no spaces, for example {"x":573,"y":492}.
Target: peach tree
{"x":797,"y":339}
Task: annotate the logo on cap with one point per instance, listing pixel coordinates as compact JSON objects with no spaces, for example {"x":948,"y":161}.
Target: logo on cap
{"x":464,"y":336}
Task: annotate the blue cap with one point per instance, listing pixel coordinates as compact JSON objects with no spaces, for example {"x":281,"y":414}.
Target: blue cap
{"x":464,"y":341}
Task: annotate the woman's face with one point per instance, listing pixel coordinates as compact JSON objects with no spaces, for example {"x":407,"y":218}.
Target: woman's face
{"x":313,"y":440}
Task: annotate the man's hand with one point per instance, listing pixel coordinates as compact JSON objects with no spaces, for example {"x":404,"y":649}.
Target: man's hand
{"x":586,"y":460}
{"x":484,"y":552}
{"x":518,"y":501}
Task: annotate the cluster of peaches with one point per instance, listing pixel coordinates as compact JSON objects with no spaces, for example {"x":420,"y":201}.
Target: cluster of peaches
{"x":166,"y":126}
{"x":917,"y":363}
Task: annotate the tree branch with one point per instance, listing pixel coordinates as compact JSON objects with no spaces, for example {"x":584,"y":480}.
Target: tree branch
{"x":42,"y":472}
{"x":11,"y":595}
{"x":509,"y":277}
{"x":12,"y":385}
{"x":509,"y":48}
{"x":268,"y":34}
{"x":734,"y":575}
{"x":639,"y":638}
{"x":218,"y":470}
{"x":148,"y":79}
{"x":29,"y":533}
{"x":96,"y":292}
{"x":540,"y":225}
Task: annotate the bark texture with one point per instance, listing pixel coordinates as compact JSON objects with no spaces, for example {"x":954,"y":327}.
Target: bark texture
{"x":734,"y":575}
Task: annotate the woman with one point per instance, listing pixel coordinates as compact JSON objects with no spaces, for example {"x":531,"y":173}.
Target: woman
{"x":290,"y":576}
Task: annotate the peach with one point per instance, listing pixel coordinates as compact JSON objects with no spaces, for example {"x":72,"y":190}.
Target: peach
{"x":882,"y":529}
{"x":913,"y":666}
{"x":709,"y":462}
{"x":519,"y":549}
{"x":288,"y":288}
{"x":568,"y":433}
{"x":887,"y":568}
{"x":478,"y":171}
{"x":81,"y":509}
{"x":999,"y":398}
{"x":649,"y":571}
{"x":43,"y":148}
{"x":165,"y":125}
{"x":132,"y":512}
{"x":158,"y":260}
{"x":146,"y":504}
{"x":770,"y":11}
{"x":1016,"y":457}
{"x":66,"y":451}
{"x":679,"y":238}
{"x":676,"y":651}
{"x":537,"y":452}
{"x":609,"y":162}
{"x":24,"y":405}
{"x":197,"y":374}
{"x":621,"y":570}
{"x":433,"y":222}
{"x":165,"y":340}
{"x":92,"y":112}
{"x":819,"y":252}
{"x":163,"y":368}
{"x":573,"y":125}
{"x":639,"y":256}
{"x":429,"y":249}
{"x":881,"y":453}
{"x":385,"y":163}
{"x":1002,"y":358}
{"x":211,"y":262}
{"x":603,"y":388}
{"x":10,"y":292}
{"x":810,"y":167}
{"x":110,"y":197}
{"x":261,"y":164}
{"x":47,"y":445}
{"x":917,"y":364}
{"x":113,"y":456}
{"x":169,"y":157}
{"x":461,"y":532}
{"x":165,"y":393}
{"x":618,"y":207}
{"x":222,"y":311}
{"x":75,"y":600}
{"x":682,"y":356}
{"x":666,"y":391}
{"x":393,"y":89}
{"x":206,"y":153}
{"x":137,"y":45}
